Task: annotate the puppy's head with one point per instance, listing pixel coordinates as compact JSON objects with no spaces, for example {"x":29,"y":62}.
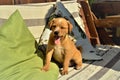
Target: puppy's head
{"x":60,"y":27}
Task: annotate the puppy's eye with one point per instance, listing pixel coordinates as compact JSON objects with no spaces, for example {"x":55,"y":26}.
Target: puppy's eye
{"x":62,"y":27}
{"x":53,"y":26}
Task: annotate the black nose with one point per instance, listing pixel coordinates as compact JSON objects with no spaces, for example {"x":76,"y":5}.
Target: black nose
{"x":56,"y":32}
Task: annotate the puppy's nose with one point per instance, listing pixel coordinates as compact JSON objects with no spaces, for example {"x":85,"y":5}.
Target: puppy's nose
{"x":56,"y":32}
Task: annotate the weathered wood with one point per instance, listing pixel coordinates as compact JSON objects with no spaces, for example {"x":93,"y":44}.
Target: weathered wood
{"x":106,"y":69}
{"x":103,"y":10}
{"x":106,"y":13}
{"x":14,"y":2}
{"x":84,"y":22}
{"x":91,"y":26}
{"x":6,"y":2}
{"x":108,"y":23}
{"x":104,"y":37}
{"x":31,"y":1}
{"x":106,"y":8}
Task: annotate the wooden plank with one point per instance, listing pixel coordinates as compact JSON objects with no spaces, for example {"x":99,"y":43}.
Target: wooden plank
{"x":107,"y":69}
{"x":14,"y":2}
{"x":116,"y":66}
{"x":33,"y":1}
{"x":93,"y":70}
{"x":108,"y":22}
{"x":103,"y":10}
{"x":107,"y":63}
{"x":84,"y":22}
{"x":6,"y":2}
{"x":111,"y":75}
{"x":90,"y":24}
{"x":85,"y":73}
{"x":104,"y":37}
{"x":89,"y":19}
{"x":106,"y":8}
{"x":72,"y":72}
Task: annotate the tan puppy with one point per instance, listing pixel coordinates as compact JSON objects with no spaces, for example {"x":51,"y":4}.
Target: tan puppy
{"x":60,"y":46}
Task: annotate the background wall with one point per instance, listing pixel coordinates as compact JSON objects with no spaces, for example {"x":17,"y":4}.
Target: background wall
{"x":13,"y":2}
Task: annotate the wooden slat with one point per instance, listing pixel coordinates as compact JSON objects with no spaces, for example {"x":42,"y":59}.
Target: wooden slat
{"x":106,"y":64}
{"x":84,"y":22}
{"x":104,"y":37}
{"x":72,"y":72}
{"x":33,"y":1}
{"x":94,"y":68}
{"x":6,"y":2}
{"x":115,"y":67}
{"x":89,"y":19}
{"x":112,"y":74}
{"x":107,"y":69}
{"x":106,"y":8}
{"x":103,"y":10}
{"x":14,"y":2}
{"x":108,"y":23}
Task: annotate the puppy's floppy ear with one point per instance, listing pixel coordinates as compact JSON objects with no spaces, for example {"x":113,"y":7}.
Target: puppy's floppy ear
{"x":70,"y":26}
{"x":50,"y":23}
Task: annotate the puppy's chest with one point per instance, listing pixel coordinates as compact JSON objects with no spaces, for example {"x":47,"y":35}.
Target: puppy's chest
{"x":59,"y":53}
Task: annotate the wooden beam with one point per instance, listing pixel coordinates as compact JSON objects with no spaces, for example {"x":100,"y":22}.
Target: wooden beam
{"x":6,"y":2}
{"x":108,"y":23}
{"x":90,"y":23}
{"x":81,"y":13}
{"x":106,"y":8}
{"x":104,"y":38}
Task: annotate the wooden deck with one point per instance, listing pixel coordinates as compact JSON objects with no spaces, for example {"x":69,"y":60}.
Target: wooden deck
{"x":106,"y":69}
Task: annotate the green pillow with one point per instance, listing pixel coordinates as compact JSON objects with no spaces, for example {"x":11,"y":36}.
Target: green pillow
{"x":18,"y":60}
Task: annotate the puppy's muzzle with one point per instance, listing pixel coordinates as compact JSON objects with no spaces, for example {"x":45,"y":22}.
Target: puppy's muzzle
{"x":56,"y":32}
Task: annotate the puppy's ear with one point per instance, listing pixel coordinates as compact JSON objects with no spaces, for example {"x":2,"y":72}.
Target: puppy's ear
{"x":50,"y":23}
{"x":70,"y":26}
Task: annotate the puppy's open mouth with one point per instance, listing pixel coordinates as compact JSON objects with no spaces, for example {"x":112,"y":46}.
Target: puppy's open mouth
{"x":57,"y":39}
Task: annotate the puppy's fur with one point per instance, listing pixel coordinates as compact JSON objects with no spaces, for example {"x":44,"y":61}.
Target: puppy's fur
{"x":60,"y":46}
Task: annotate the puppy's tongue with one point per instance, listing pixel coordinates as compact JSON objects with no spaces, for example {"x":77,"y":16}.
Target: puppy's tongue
{"x":57,"y":41}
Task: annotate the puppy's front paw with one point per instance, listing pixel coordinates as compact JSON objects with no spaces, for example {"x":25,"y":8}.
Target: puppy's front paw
{"x":45,"y":68}
{"x":78,"y":67}
{"x":64,"y":72}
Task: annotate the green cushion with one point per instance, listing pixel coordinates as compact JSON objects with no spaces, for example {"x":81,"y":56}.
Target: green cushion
{"x":18,"y":60}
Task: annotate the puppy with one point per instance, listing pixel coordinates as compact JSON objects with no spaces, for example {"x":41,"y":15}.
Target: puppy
{"x":60,"y":46}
